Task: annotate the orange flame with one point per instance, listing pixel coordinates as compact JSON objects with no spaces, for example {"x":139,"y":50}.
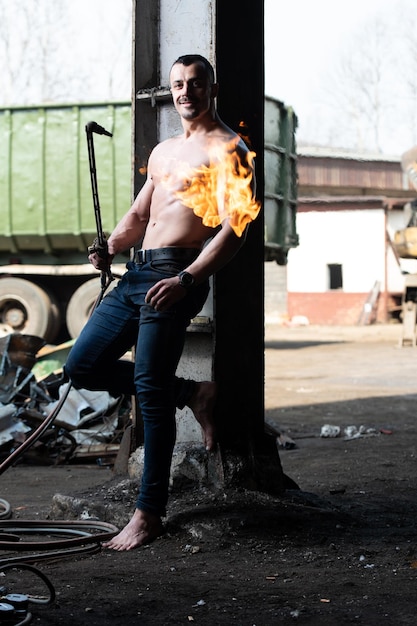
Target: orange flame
{"x":222,"y":190}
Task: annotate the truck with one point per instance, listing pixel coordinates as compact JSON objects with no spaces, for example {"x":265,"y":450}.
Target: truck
{"x":47,"y":218}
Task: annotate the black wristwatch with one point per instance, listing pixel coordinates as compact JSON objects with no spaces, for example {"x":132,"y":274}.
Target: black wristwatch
{"x":186,"y":280}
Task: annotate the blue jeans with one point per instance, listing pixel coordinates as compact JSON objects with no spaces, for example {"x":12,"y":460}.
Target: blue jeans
{"x":123,"y":320}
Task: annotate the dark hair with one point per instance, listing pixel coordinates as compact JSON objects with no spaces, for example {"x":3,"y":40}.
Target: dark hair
{"x":189,"y":59}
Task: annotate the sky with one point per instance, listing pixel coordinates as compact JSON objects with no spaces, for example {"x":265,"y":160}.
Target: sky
{"x":303,"y":38}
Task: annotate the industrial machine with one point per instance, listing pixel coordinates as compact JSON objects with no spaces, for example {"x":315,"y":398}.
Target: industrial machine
{"x":405,"y":246}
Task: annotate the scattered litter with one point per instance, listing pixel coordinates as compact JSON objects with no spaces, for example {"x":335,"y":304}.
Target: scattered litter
{"x":191,"y":549}
{"x":362,"y":558}
{"x":90,"y":424}
{"x":328,"y":430}
{"x":283,"y":441}
{"x":83,"y":407}
{"x":299,"y":320}
{"x":10,"y":428}
{"x":286,"y":442}
{"x":353,"y":432}
{"x":304,"y":390}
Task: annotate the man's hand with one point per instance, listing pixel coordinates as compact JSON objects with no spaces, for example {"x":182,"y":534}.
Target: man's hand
{"x":101,"y":263}
{"x":165,"y":293}
{"x":99,"y":256}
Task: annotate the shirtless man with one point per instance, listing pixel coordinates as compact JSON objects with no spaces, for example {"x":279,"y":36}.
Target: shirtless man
{"x":164,"y":288}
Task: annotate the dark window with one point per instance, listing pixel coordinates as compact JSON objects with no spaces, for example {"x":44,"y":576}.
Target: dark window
{"x":335,"y":276}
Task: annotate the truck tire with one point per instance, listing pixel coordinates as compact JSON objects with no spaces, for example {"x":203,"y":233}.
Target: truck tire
{"x":81,"y":305}
{"x":28,"y":309}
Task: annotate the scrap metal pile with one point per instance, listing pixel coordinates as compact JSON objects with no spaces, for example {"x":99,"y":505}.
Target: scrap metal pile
{"x":89,"y":426}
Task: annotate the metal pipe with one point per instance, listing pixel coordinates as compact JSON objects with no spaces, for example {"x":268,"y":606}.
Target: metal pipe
{"x":101,"y":245}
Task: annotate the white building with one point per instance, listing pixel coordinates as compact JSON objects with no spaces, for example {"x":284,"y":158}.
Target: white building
{"x":345,"y":270}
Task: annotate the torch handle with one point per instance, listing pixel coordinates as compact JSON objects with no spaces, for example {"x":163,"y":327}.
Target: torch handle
{"x":94,"y":186}
{"x":91,"y":127}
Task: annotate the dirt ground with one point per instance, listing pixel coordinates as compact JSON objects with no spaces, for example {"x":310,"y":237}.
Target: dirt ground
{"x":342,"y":549}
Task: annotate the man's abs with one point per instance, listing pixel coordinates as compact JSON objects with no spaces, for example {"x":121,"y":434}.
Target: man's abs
{"x":175,"y":226}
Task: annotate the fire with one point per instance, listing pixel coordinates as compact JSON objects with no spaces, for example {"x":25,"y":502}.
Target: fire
{"x":224,"y":189}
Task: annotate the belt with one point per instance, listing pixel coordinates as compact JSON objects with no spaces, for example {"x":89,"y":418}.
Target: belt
{"x":183,"y":254}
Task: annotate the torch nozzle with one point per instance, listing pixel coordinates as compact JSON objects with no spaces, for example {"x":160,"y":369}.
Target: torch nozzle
{"x":93,"y":127}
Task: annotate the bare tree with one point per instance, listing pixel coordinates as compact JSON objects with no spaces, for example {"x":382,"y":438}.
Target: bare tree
{"x":14,"y":55}
{"x":55,"y":51}
{"x":31,"y":33}
{"x":407,"y":71}
{"x":368,"y":102}
{"x":358,"y":90}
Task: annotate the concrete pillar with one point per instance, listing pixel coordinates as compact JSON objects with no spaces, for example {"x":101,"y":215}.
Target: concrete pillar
{"x":230,"y":35}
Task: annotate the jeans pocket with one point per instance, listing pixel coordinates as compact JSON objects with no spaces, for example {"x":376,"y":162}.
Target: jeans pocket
{"x":167,"y":268}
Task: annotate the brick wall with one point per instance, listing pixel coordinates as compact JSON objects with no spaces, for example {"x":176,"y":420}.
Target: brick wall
{"x":332,"y":307}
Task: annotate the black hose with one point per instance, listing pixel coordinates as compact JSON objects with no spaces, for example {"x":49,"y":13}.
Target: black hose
{"x":34,"y":436}
{"x":81,"y":528}
{"x":41,"y":575}
{"x":5,"y":509}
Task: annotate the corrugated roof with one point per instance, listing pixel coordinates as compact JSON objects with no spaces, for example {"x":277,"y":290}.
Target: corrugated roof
{"x":340,"y":153}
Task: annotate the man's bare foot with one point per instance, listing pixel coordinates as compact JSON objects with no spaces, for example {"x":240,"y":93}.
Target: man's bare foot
{"x":142,"y":529}
{"x":202,"y":404}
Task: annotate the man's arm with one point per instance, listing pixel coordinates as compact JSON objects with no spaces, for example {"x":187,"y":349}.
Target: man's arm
{"x":129,"y":230}
{"x":132,"y":226}
{"x":216,"y":254}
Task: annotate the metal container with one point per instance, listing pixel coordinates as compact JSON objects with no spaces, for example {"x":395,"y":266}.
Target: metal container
{"x":45,"y":190}
{"x":280,"y":180}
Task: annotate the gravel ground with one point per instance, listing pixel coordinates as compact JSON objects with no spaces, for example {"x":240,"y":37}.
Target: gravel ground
{"x":341,"y":549}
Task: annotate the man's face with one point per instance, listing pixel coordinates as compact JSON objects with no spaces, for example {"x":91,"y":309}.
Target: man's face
{"x":191,"y":90}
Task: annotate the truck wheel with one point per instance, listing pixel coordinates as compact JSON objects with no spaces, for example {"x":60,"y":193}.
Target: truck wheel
{"x":81,"y":305}
{"x":27,"y":309}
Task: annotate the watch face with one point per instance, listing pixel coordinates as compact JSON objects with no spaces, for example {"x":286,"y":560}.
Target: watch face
{"x":186,"y":279}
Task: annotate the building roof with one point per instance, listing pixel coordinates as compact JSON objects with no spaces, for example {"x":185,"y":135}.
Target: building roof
{"x":341,"y":153}
{"x":349,"y":203}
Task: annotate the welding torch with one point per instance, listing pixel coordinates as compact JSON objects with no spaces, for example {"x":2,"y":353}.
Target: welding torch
{"x":100,"y":243}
